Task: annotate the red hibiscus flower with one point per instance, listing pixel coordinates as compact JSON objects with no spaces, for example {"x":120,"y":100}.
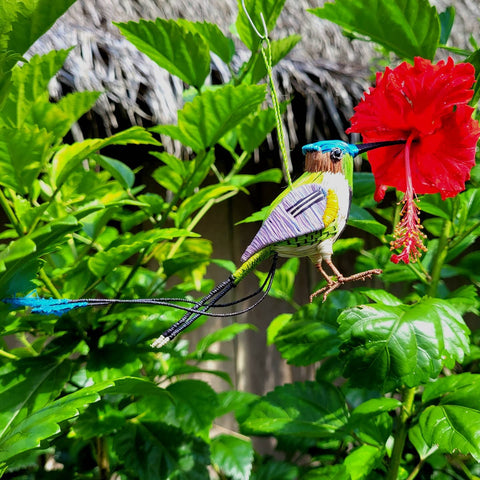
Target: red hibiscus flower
{"x":427,"y":106}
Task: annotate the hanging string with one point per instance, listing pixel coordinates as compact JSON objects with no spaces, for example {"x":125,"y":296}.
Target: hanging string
{"x":267,"y":58}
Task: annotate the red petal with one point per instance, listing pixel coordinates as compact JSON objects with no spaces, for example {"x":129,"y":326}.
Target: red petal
{"x":426,"y":102}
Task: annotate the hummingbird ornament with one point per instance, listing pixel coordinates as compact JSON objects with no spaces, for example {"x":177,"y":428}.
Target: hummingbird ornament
{"x":305,"y":220}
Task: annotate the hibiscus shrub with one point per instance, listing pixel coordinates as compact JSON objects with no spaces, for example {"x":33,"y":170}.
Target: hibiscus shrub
{"x":398,"y":384}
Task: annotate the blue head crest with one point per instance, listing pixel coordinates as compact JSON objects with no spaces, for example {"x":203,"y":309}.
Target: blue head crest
{"x":327,"y":145}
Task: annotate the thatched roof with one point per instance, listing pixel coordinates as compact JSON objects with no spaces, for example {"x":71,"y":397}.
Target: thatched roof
{"x":328,"y":70}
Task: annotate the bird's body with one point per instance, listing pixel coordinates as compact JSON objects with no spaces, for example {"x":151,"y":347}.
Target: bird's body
{"x":305,"y":220}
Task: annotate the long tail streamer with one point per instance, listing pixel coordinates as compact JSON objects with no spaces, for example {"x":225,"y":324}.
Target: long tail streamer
{"x":58,"y":307}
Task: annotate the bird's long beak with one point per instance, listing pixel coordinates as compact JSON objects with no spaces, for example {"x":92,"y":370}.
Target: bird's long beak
{"x":365,"y":147}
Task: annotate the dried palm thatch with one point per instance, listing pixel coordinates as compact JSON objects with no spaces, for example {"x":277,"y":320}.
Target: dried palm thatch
{"x":326,"y":71}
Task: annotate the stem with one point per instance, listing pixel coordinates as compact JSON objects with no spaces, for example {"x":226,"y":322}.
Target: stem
{"x":49,"y":284}
{"x":458,"y":51}
{"x":190,"y":227}
{"x":401,"y":434}
{"x":416,"y":470}
{"x":467,"y":472}
{"x":10,"y":214}
{"x":439,"y":258}
{"x":464,"y":235}
{"x":102,"y":458}
{"x":21,"y":337}
{"x":8,"y":355}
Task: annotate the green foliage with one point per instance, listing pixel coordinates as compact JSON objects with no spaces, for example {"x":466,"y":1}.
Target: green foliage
{"x":310,"y":409}
{"x":205,"y":120}
{"x":88,"y":383}
{"x":410,"y":28}
{"x":396,"y":370}
{"x":388,"y":346}
{"x":232,"y":455}
{"x":380,"y":343}
{"x":173,"y":46}
{"x":269,"y":9}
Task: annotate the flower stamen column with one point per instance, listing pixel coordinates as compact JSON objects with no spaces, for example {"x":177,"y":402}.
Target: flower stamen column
{"x":408,"y":234}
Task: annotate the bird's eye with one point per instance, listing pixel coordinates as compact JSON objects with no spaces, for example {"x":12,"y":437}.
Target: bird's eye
{"x":336,"y":154}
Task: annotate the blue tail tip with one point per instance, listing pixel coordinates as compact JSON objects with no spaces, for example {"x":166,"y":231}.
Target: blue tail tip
{"x":45,"y":306}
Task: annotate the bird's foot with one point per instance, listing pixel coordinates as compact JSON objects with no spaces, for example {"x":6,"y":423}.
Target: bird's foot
{"x":333,"y":285}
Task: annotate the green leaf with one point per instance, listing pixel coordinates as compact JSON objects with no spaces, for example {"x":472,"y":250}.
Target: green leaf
{"x":364,"y":189}
{"x":208,"y":117}
{"x":276,"y":470}
{"x":271,"y":175}
{"x":222,"y":335}
{"x":360,"y":218}
{"x":446,"y":18}
{"x":23,"y":154}
{"x":464,"y":299}
{"x":256,"y":217}
{"x":151,"y":450}
{"x":69,"y":156}
{"x":389,"y":346}
{"x":234,"y":401}
{"x":169,"y":179}
{"x":376,"y":406}
{"x":474,"y":59}
{"x":362,"y":461}
{"x":464,"y":382}
{"x":371,"y":420}
{"x":199,"y":199}
{"x":190,"y":405}
{"x":23,"y":390}
{"x":276,"y":326}
{"x":382,"y":296}
{"x":253,"y":130}
{"x":136,"y":386}
{"x":59,"y":117}
{"x":199,"y":170}
{"x":228,"y":265}
{"x":270,"y":9}
{"x":330,"y":472}
{"x":416,"y":438}
{"x":310,"y":409}
{"x":233,"y":456}
{"x":409,"y":28}
{"x":43,"y":423}
{"x":195,"y":406}
{"x":105,"y":261}
{"x":454,"y":427}
{"x":21,"y":270}
{"x":257,"y":69}
{"x":305,"y":338}
{"x":17,"y":249}
{"x":112,"y":361}
{"x":216,"y":40}
{"x":121,"y":172}
{"x":434,"y":205}
{"x":33,"y":19}
{"x":30,"y":86}
{"x":183,"y":177}
{"x":172,"y":46}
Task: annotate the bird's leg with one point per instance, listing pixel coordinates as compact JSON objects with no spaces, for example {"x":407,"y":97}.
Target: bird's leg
{"x":332,"y":284}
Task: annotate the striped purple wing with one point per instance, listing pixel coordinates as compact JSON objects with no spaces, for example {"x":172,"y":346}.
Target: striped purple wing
{"x":299,"y":213}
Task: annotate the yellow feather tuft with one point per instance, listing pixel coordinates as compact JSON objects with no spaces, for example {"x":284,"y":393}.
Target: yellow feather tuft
{"x":331,"y":209}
